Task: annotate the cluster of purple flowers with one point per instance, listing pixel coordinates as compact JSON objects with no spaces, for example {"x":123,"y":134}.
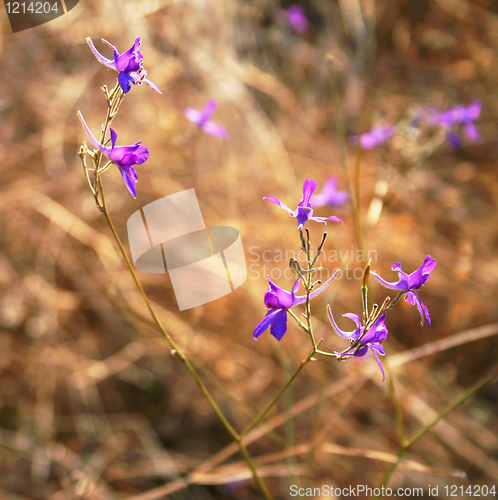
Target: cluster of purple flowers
{"x":452,"y":120}
{"x":370,"y":336}
{"x":131,"y":71}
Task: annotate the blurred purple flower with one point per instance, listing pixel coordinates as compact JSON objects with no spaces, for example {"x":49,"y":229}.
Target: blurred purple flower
{"x":122,"y":156}
{"x":279,"y":301}
{"x":378,"y":135}
{"x":463,"y":116}
{"x":201,"y":119}
{"x":376,"y":334}
{"x":408,"y":283}
{"x":304,"y":212}
{"x":297,"y":18}
{"x":330,"y":195}
{"x":129,"y":65}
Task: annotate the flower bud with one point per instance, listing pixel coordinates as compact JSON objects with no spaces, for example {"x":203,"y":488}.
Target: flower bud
{"x":366,"y":274}
{"x":296,"y":268}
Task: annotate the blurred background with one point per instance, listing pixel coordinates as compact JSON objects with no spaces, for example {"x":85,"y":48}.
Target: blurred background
{"x":92,"y":403}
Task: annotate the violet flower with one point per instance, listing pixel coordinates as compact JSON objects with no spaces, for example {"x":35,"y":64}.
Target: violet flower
{"x":330,"y":195}
{"x":304,"y":212}
{"x":408,"y":283}
{"x":376,"y":334}
{"x":377,"y":135}
{"x":129,"y":64}
{"x":297,"y":18}
{"x":122,"y":156}
{"x":463,"y":116}
{"x":201,"y":119}
{"x":279,"y":301}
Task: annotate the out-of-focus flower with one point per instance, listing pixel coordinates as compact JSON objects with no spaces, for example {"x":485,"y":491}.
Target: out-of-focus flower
{"x":408,"y":283}
{"x":201,"y":119}
{"x":297,"y":18}
{"x":330,"y":195}
{"x":460,"y":116}
{"x":279,"y":301}
{"x":376,"y":334}
{"x":378,"y":135}
{"x":304,"y":212}
{"x":129,"y":64}
{"x":122,"y":156}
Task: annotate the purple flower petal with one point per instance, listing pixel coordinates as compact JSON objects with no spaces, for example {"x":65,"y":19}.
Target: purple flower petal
{"x":208,"y":111}
{"x":212,"y":128}
{"x":122,"y":156}
{"x":279,"y":324}
{"x":201,"y":119}
{"x":471,"y":132}
{"x":324,"y":220}
{"x":193,"y":115}
{"x":152,"y":85}
{"x":265,"y":322}
{"x":304,"y":211}
{"x":297,"y":18}
{"x":377,"y":135}
{"x":131,"y":60}
{"x":106,"y":62}
{"x":345,"y":335}
{"x":454,"y":140}
{"x":413,"y":299}
{"x":330,"y":195}
{"x":96,"y":143}
{"x":309,"y":188}
{"x":375,"y":350}
{"x":129,"y":65}
{"x":125,"y":80}
{"x":130,"y":177}
{"x":275,"y":200}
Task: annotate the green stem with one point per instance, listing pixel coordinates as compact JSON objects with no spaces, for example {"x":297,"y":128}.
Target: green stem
{"x":458,"y":401}
{"x":237,"y":437}
{"x":114,"y":101}
{"x":260,"y":417}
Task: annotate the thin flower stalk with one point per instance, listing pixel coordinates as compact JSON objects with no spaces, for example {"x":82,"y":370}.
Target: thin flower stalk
{"x":114,"y":100}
